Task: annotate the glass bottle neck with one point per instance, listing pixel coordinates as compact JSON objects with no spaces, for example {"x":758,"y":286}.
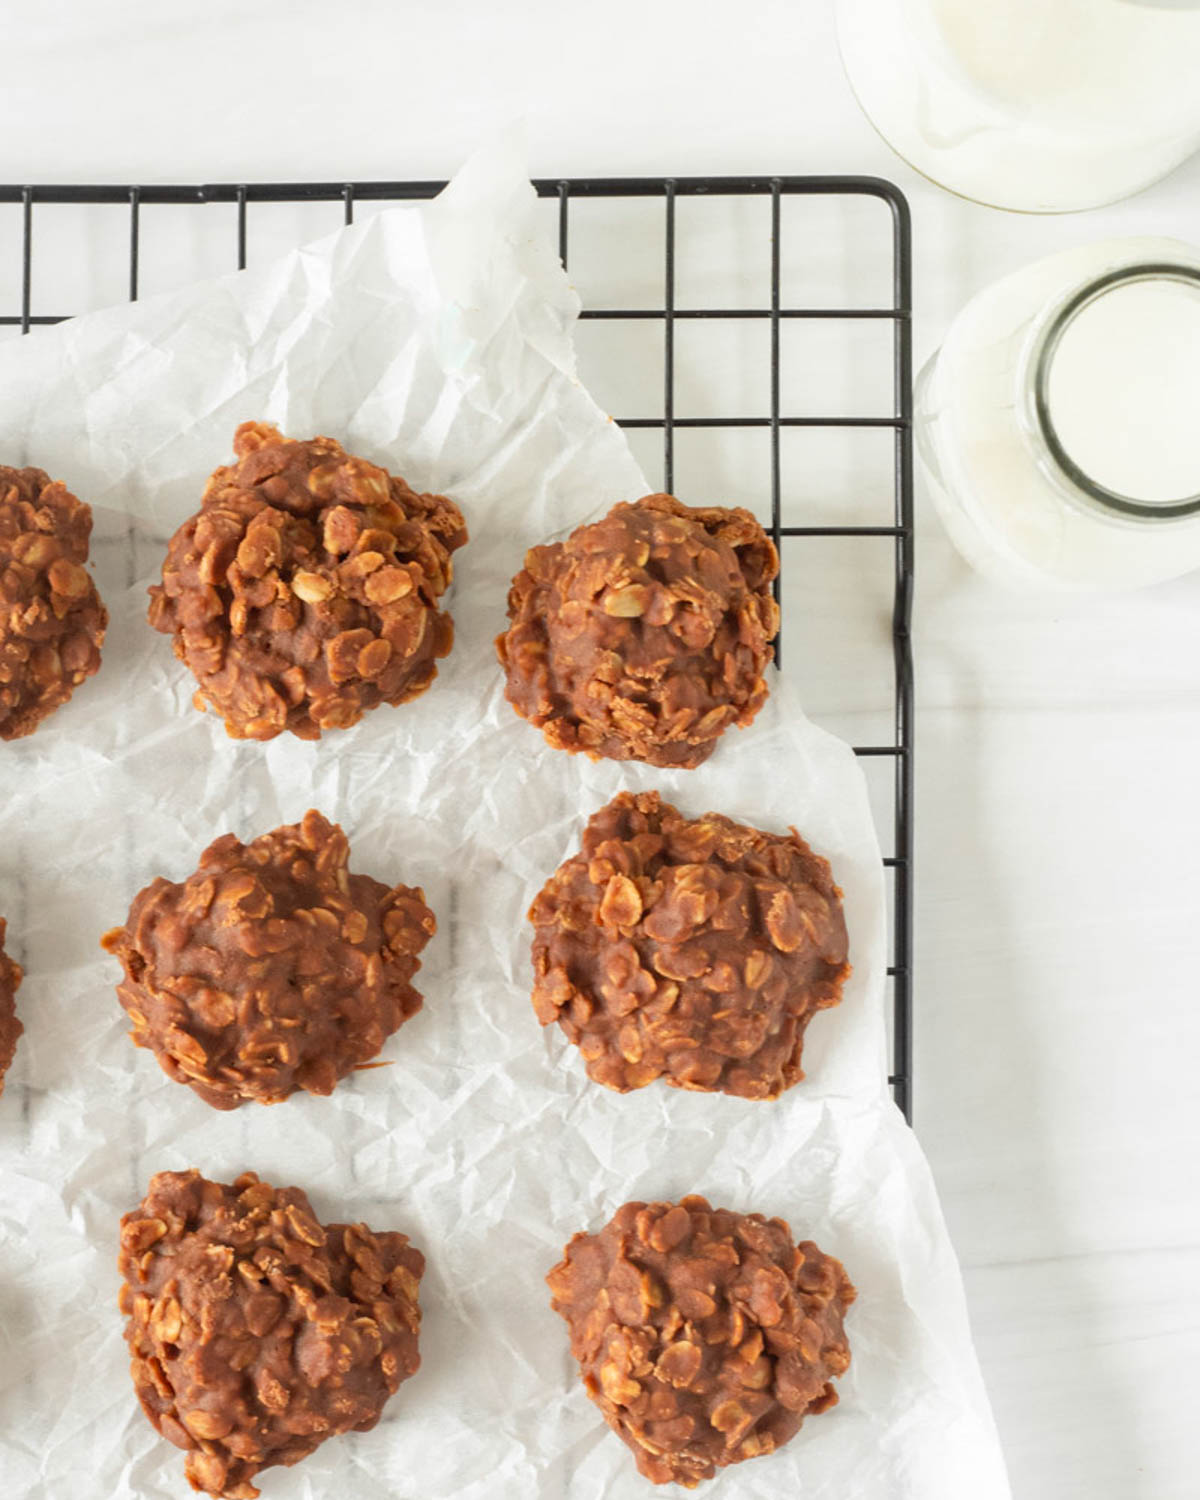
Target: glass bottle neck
{"x":1083,"y":486}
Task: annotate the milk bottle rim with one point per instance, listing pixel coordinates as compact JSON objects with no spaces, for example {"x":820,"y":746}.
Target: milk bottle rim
{"x":1045,"y":340}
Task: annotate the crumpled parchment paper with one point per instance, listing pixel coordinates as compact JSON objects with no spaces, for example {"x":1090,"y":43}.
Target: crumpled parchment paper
{"x":437,"y":340}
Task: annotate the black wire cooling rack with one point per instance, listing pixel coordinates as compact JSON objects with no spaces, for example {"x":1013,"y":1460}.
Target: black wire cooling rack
{"x":669,"y":191}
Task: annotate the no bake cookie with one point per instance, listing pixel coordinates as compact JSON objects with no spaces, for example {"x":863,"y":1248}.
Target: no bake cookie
{"x":10,"y":1025}
{"x":695,"y":950}
{"x":705,"y":1337}
{"x":255,"y":1333}
{"x":644,"y":636}
{"x":272,"y":968}
{"x":52,"y":621}
{"x":305,"y":590}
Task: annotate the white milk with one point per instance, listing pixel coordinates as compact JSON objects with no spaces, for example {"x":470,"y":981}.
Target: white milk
{"x":1074,"y":61}
{"x":1030,"y":104}
{"x":1122,"y":393}
{"x":1124,"y":390}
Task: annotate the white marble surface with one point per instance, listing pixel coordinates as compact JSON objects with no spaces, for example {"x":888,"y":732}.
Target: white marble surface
{"x":1058,"y":1030}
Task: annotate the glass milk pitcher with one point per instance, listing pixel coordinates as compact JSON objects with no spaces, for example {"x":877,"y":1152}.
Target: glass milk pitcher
{"x":1040,"y":105}
{"x":1059,"y":423}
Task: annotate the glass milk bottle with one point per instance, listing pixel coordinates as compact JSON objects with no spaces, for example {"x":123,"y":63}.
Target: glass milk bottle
{"x":1041,"y":105}
{"x":1059,"y":423}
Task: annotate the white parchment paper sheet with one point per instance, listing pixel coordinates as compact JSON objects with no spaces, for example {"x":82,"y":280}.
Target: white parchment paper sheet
{"x":436,"y":340}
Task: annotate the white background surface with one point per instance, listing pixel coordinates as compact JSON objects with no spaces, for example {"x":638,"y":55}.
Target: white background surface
{"x":1059,"y":773}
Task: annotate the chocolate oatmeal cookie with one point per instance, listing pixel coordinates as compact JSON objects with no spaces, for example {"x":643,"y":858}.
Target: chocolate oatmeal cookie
{"x":645,"y":635}
{"x":52,"y":621}
{"x":705,"y":1337}
{"x":255,"y":1332}
{"x":10,"y":1025}
{"x":272,"y":968}
{"x":305,"y":590}
{"x":695,"y":950}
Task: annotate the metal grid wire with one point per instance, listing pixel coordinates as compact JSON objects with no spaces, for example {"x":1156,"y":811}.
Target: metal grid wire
{"x":669,"y":191}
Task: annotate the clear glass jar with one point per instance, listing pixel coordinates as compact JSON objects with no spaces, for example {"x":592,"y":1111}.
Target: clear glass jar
{"x":1039,"y":105}
{"x":1059,"y":423}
